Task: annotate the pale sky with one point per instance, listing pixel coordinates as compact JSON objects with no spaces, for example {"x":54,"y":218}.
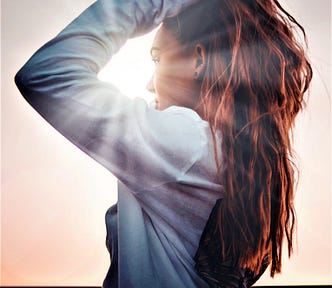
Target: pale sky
{"x":54,"y":197}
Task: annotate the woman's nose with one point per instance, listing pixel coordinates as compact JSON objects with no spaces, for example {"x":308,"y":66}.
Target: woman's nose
{"x":150,"y":85}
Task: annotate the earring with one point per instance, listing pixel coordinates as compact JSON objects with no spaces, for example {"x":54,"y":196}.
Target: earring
{"x":196,"y":75}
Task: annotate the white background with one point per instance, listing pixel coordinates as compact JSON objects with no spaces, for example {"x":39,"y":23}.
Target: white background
{"x":54,"y":197}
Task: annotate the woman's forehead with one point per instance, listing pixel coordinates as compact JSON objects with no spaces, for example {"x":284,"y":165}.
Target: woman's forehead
{"x":164,"y":40}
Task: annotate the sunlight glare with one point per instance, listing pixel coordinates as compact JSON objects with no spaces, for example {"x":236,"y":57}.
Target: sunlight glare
{"x":131,"y":68}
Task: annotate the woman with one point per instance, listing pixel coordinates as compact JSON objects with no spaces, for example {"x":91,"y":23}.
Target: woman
{"x":206,"y":178}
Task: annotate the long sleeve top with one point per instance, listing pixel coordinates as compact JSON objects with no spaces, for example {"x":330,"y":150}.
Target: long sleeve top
{"x":164,"y":159}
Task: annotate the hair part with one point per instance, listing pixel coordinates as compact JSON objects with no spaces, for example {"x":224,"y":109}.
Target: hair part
{"x":254,"y":83}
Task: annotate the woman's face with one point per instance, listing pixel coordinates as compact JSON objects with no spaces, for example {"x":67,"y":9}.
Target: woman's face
{"x":173,"y":81}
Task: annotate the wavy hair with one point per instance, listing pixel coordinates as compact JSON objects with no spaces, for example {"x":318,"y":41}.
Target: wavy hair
{"x":255,"y":78}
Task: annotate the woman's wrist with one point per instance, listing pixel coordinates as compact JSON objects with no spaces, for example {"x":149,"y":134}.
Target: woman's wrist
{"x":141,"y":16}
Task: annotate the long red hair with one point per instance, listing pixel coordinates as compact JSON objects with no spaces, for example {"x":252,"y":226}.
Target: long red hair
{"x":255,"y":78}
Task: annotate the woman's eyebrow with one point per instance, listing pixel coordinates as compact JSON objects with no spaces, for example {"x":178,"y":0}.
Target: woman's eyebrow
{"x":153,"y":49}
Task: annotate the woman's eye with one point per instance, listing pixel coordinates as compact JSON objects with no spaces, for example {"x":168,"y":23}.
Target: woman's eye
{"x":156,"y":60}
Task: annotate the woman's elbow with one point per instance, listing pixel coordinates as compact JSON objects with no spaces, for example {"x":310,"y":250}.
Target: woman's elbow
{"x":23,"y":81}
{"x":31,"y":81}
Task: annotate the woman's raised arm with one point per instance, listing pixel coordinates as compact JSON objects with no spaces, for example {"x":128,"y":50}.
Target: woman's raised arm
{"x":60,"y":82}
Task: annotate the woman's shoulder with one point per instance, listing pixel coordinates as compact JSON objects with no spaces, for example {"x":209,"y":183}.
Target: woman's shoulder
{"x":185,"y":112}
{"x":181,"y":129}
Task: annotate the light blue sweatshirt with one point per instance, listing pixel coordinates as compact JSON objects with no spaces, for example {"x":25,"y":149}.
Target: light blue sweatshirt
{"x":164,"y":159}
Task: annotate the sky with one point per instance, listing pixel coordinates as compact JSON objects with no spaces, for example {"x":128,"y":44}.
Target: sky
{"x":54,"y":197}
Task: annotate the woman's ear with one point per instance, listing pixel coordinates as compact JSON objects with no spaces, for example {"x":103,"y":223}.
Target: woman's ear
{"x":200,"y":61}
